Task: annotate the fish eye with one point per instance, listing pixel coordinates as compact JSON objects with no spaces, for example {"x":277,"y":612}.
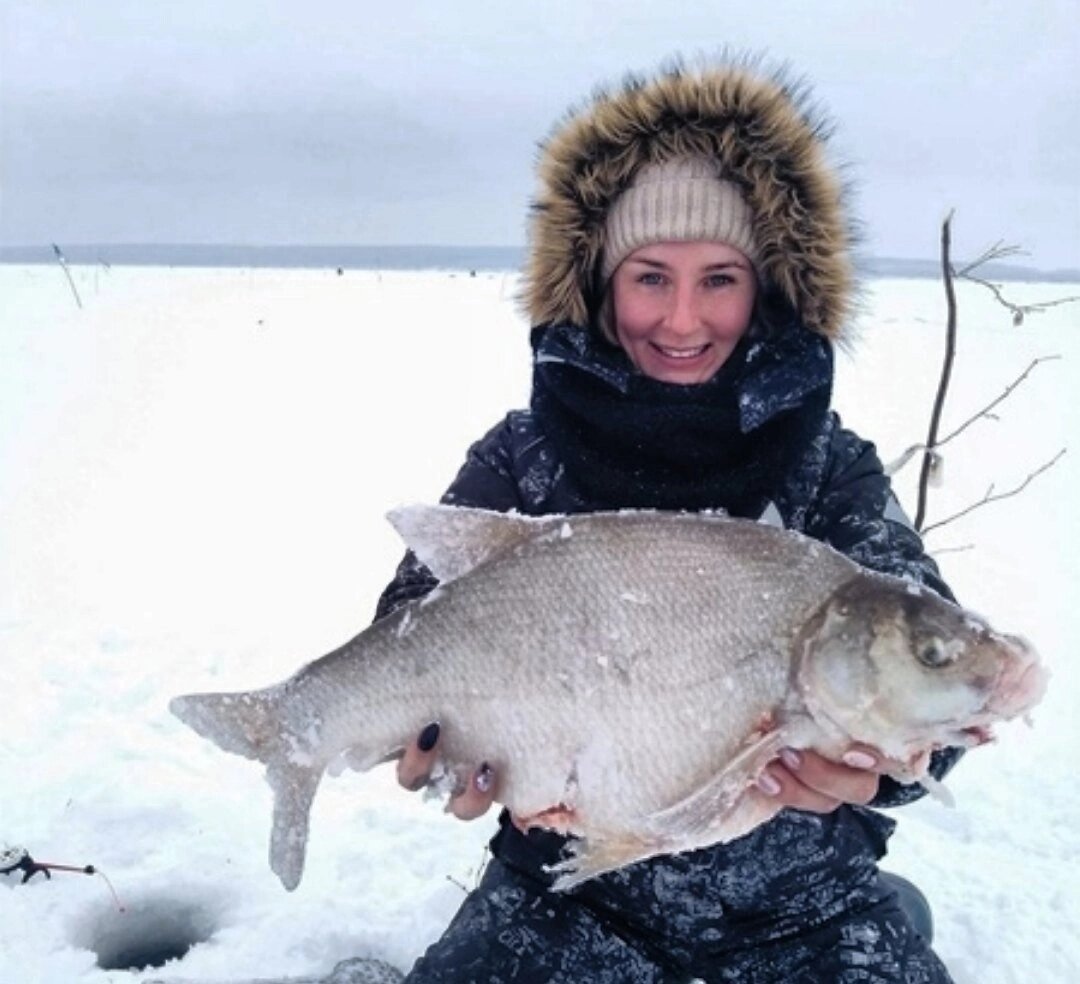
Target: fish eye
{"x":935,"y":654}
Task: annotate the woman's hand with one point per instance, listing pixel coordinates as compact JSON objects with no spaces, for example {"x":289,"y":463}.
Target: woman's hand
{"x":805,"y":780}
{"x":800,"y":779}
{"x":416,"y":764}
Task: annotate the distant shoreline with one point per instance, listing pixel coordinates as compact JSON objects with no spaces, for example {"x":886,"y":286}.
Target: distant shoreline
{"x":418,"y":257}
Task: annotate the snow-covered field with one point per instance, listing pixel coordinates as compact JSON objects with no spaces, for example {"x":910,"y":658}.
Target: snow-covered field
{"x":193,"y":474}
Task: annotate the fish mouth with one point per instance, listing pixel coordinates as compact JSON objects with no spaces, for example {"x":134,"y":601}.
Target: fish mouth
{"x":1018,"y":686}
{"x":1021,"y":683}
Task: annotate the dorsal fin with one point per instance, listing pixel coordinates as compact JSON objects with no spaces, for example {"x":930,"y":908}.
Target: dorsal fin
{"x":771,"y":516}
{"x":452,"y":540}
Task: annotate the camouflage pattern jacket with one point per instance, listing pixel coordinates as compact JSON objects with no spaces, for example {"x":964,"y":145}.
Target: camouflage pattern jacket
{"x":799,"y":870}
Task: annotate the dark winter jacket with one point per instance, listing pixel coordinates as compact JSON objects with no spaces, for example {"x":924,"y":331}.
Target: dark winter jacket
{"x":758,"y":439}
{"x":798,"y":868}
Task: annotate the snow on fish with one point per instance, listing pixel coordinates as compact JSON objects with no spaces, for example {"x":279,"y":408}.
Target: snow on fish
{"x":628,"y":675}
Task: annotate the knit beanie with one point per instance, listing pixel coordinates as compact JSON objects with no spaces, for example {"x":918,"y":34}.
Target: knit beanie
{"x":680,"y":200}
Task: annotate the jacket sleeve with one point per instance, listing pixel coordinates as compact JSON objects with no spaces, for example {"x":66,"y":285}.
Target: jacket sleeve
{"x":857,"y":513}
{"x":484,"y":481}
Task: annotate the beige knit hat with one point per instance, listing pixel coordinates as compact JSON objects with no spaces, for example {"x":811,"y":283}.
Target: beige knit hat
{"x":681,"y":200}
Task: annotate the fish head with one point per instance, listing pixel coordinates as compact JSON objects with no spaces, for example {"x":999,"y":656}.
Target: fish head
{"x":896,"y":666}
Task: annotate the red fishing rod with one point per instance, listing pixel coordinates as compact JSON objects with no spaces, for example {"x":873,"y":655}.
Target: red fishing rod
{"x":13,"y":859}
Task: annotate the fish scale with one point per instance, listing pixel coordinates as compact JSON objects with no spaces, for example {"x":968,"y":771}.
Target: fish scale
{"x":628,"y":675}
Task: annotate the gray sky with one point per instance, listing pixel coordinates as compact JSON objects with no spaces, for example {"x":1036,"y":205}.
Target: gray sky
{"x":333,"y":121}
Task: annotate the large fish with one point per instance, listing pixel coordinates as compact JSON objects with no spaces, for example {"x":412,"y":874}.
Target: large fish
{"x":628,"y":675}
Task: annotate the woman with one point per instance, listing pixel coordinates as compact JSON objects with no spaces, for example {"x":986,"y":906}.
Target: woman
{"x":689,"y":274}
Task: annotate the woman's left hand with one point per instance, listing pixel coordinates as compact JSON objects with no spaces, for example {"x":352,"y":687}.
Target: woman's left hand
{"x":805,"y":780}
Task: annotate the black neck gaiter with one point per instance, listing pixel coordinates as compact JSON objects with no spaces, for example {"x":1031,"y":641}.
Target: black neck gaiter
{"x":629,"y":441}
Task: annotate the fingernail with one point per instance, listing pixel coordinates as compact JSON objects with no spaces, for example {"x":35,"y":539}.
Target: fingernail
{"x":768,"y":785}
{"x":791,"y":758}
{"x":484,"y":777}
{"x":859,"y":760}
{"x":428,"y":737}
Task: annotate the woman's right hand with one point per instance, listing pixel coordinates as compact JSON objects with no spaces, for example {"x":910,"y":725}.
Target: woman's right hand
{"x":476,"y":794}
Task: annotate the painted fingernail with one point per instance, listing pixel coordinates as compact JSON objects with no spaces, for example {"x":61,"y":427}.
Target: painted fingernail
{"x":859,"y":760}
{"x":768,"y":785}
{"x":428,"y":737}
{"x":791,"y":758}
{"x":484,"y":778}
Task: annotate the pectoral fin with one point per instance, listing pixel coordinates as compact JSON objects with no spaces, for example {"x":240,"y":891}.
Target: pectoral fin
{"x":721,"y":810}
{"x":938,"y":790}
{"x":585,"y":859}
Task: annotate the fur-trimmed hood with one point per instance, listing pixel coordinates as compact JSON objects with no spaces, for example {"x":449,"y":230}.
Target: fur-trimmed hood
{"x":763,"y":136}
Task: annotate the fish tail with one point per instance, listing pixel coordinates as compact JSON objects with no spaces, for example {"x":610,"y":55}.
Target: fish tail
{"x":251,"y":724}
{"x":294,"y":789}
{"x":245,"y":724}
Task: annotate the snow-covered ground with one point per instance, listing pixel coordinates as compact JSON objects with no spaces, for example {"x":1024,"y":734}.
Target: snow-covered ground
{"x":193,"y":474}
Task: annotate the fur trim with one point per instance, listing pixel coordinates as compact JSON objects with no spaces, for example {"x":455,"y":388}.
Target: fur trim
{"x":762,"y":134}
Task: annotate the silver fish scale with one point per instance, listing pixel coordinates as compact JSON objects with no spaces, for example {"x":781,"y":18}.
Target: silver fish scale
{"x":610,"y":665}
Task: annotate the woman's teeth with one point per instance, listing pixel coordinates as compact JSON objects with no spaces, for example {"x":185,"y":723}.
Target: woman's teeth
{"x":672,"y":353}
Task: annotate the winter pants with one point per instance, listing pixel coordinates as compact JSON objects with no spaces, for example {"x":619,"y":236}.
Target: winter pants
{"x":511,"y":929}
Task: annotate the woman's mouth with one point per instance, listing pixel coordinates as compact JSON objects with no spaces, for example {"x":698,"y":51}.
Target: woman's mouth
{"x":680,"y":354}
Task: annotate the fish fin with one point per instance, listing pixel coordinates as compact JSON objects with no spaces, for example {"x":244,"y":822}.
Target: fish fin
{"x":452,"y":540}
{"x":249,"y":724}
{"x":938,"y":790}
{"x":721,"y":810}
{"x":242,"y":723}
{"x":718,"y":810}
{"x":294,"y":789}
{"x":771,"y":516}
{"x":592,"y":856}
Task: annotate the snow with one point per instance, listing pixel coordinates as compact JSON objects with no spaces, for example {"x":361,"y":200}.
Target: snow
{"x":194,"y":471}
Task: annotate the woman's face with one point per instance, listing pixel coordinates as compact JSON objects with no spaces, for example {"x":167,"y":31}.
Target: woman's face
{"x":680,"y":308}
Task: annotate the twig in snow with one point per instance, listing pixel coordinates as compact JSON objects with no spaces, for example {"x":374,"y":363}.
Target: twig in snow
{"x":985,"y":411}
{"x":898,"y":463}
{"x":991,"y":496}
{"x":1000,"y":251}
{"x":67,"y":273}
{"x":456,"y":883}
{"x":963,"y":548}
{"x":931,"y":457}
{"x":929,"y":453}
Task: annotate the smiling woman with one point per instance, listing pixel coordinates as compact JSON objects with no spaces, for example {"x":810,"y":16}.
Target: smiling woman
{"x":681,"y":308}
{"x":688,"y":274}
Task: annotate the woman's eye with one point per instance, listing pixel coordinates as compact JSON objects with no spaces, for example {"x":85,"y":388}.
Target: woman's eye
{"x":650,"y":278}
{"x":719,"y":280}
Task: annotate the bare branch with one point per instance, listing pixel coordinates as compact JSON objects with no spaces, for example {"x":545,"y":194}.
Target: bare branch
{"x":995,"y":289}
{"x":946,"y":373}
{"x":962,"y":548}
{"x":897,"y":463}
{"x":999,"y":251}
{"x":985,"y":411}
{"x":62,"y":260}
{"x":1019,"y":311}
{"x":992,"y":497}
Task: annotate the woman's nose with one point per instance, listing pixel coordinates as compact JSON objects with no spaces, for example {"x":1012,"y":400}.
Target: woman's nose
{"x":682,"y":316}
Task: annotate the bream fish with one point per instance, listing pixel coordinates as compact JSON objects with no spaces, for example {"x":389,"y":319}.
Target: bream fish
{"x":628,"y":676}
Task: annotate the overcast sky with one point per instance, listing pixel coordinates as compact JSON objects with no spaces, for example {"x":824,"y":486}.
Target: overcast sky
{"x":334,"y":121}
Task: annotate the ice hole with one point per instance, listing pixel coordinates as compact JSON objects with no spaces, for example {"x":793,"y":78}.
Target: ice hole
{"x":149,"y":932}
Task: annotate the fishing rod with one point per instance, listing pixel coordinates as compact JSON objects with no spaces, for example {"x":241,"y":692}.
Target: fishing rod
{"x":13,"y":859}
